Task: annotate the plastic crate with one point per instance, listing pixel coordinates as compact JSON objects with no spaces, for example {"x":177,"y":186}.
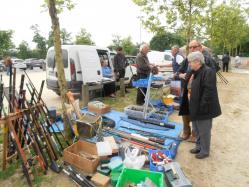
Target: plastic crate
{"x":153,"y":166}
{"x":115,"y":173}
{"x":137,"y":176}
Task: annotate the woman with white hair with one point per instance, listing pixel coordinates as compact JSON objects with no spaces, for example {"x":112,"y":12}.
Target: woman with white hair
{"x":203,"y":104}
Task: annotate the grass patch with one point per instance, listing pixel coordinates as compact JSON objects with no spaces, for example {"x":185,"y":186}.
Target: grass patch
{"x":11,"y":169}
{"x":119,"y":103}
{"x":38,"y":180}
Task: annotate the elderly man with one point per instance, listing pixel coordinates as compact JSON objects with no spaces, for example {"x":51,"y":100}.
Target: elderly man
{"x":177,"y":58}
{"x":143,"y":70}
{"x":203,"y":104}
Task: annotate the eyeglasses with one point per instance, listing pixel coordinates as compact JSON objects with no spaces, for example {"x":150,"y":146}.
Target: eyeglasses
{"x":193,"y":47}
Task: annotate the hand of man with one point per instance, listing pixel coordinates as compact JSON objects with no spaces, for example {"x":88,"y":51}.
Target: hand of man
{"x":182,"y":75}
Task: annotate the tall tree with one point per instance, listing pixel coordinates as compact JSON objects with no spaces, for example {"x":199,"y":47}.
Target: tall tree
{"x":23,"y":50}
{"x":5,"y":42}
{"x":126,"y":43}
{"x":229,"y":27}
{"x":84,"y":38}
{"x":162,"y":41}
{"x":41,"y":42}
{"x":128,"y":46}
{"x":66,"y":38}
{"x":56,"y":6}
{"x":171,"y":15}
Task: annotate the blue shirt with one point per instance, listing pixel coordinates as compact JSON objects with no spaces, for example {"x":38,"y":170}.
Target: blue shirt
{"x":106,"y":72}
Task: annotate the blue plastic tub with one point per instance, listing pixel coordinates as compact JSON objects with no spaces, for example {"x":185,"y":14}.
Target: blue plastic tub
{"x":151,"y":151}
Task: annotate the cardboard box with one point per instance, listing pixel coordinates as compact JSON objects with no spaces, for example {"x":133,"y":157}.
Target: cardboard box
{"x":113,"y":143}
{"x":100,"y":180}
{"x":98,"y":107}
{"x":88,"y":161}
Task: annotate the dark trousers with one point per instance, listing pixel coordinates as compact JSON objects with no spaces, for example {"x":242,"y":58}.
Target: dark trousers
{"x":140,"y":96}
{"x":225,"y":67}
{"x":109,"y":88}
{"x":202,"y":129}
{"x":121,"y":74}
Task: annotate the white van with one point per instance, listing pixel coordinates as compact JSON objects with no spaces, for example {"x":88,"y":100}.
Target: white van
{"x":163,"y":60}
{"x":81,"y":65}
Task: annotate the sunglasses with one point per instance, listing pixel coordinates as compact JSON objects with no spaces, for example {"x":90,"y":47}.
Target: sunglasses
{"x":193,"y":47}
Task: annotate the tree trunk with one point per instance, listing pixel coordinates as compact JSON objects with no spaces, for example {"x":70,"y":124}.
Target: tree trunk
{"x":239,"y":49}
{"x":189,"y":34}
{"x":59,"y":62}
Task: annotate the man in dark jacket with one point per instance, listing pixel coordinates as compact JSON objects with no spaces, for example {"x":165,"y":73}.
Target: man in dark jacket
{"x":143,"y":71}
{"x":203,"y":104}
{"x":225,"y":62}
{"x":119,"y":64}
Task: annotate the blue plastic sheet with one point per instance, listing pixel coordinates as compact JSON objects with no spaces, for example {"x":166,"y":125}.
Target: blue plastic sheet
{"x":170,"y":144}
{"x":59,"y":126}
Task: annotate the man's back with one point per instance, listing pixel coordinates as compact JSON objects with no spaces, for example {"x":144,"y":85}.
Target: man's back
{"x":226,"y":58}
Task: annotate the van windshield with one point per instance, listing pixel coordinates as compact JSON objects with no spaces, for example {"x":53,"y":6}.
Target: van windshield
{"x":167,"y":57}
{"x":51,"y":58}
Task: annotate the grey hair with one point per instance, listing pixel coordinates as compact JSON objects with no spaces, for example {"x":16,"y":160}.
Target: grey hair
{"x":196,"y":56}
{"x":175,"y":47}
{"x":143,"y":46}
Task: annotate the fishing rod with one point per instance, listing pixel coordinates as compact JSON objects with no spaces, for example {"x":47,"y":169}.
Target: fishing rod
{"x":223,"y":79}
{"x":45,"y":139}
{"x":132,"y":137}
{"x":46,"y":122}
{"x":46,"y":111}
{"x":142,"y":123}
{"x":26,"y":165}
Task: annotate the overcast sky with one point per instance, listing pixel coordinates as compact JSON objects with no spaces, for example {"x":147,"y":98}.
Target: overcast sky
{"x":102,"y":19}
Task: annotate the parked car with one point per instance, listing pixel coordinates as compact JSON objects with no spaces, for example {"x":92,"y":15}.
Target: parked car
{"x":19,"y":64}
{"x":34,"y":62}
{"x":2,"y":66}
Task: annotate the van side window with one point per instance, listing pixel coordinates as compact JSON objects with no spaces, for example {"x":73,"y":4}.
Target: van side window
{"x":51,"y":58}
{"x":103,"y":55}
{"x":65,"y":58}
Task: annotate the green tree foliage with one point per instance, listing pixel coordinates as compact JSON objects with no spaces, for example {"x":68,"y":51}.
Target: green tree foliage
{"x":128,"y":46}
{"x":162,"y":41}
{"x":5,"y":42}
{"x":41,"y":42}
{"x":83,"y":38}
{"x":66,"y":38}
{"x":228,"y":29}
{"x":172,"y":15}
{"x":23,"y":50}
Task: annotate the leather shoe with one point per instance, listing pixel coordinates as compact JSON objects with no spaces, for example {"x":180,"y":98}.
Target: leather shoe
{"x":195,"y":151}
{"x":201,"y":156}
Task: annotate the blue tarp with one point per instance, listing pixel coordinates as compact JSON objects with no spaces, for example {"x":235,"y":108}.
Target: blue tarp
{"x":59,"y":126}
{"x":169,"y":143}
